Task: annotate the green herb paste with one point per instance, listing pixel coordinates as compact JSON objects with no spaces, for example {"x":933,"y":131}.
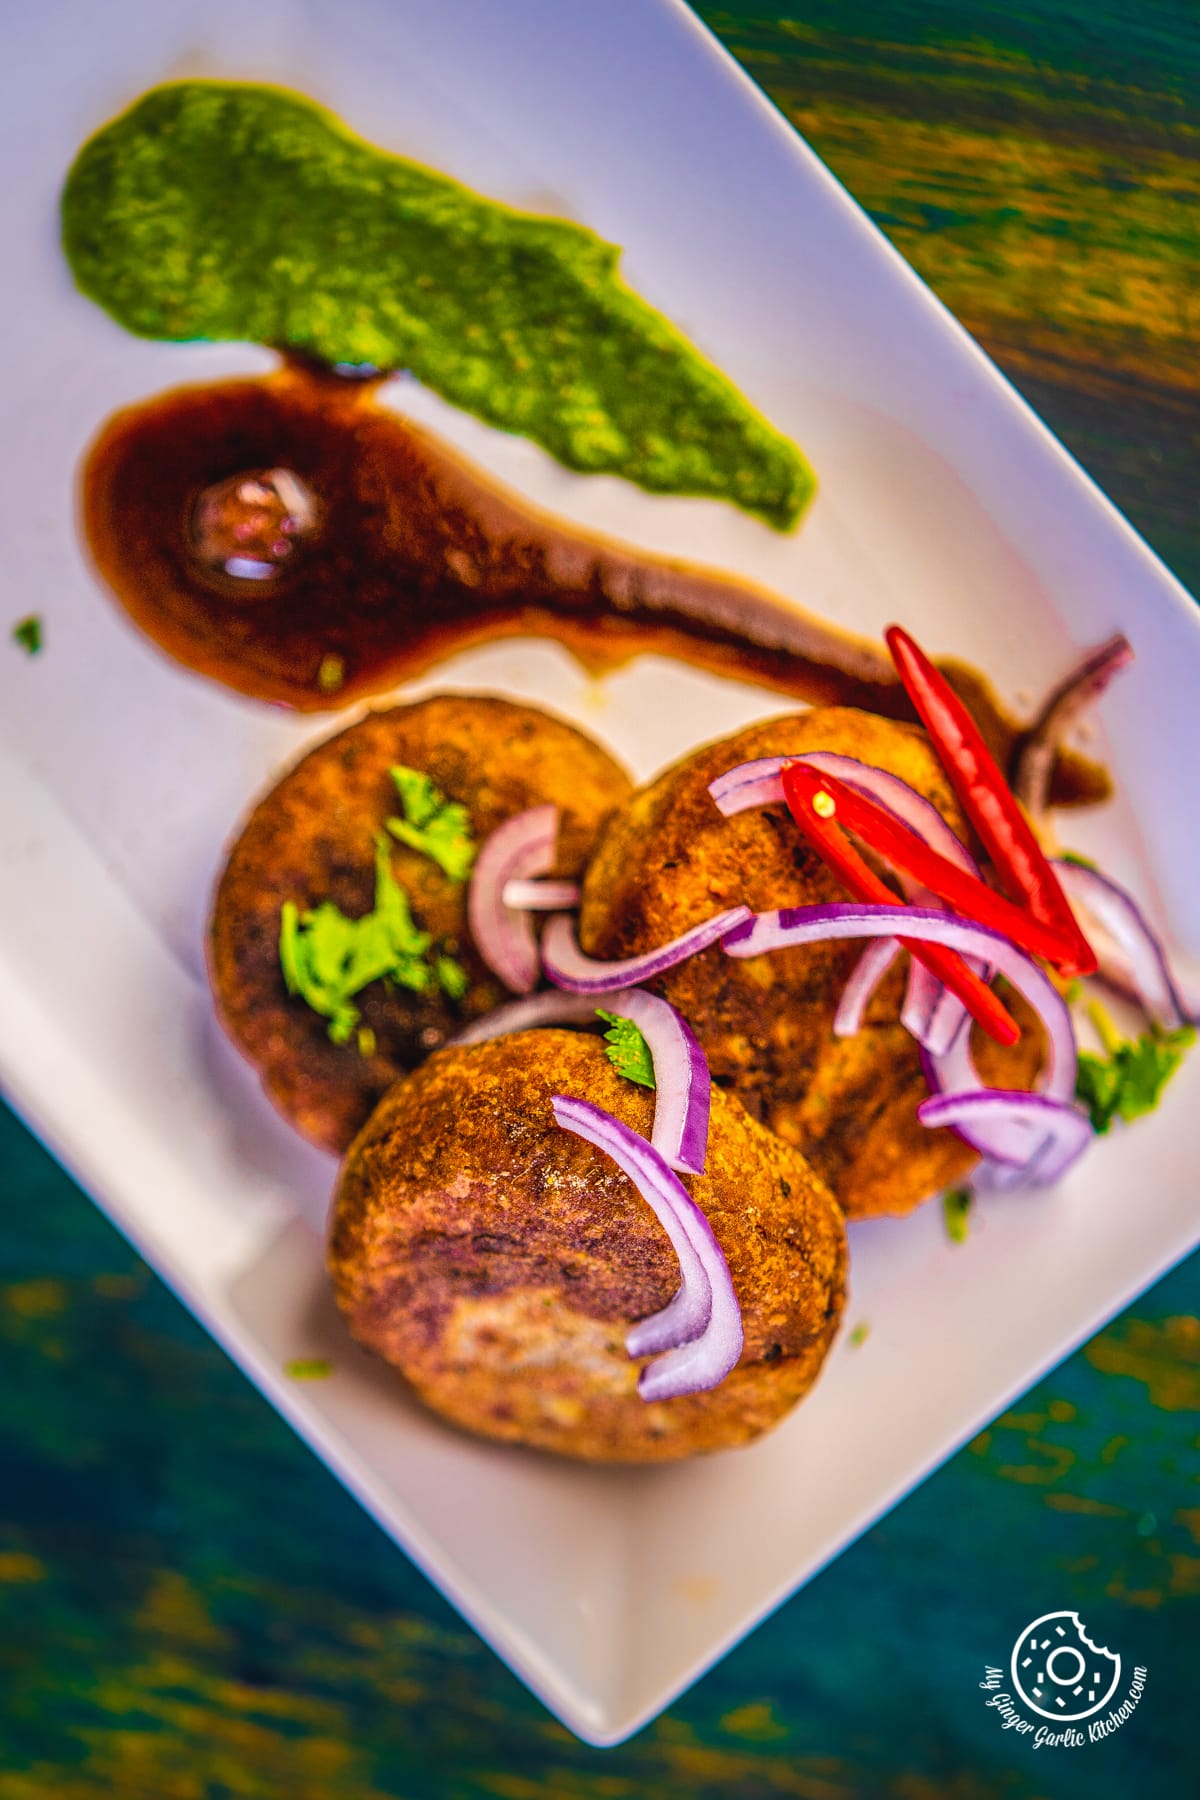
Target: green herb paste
{"x":225,"y":211}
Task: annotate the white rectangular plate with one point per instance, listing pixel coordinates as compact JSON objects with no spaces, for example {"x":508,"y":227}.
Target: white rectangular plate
{"x":944,"y":503}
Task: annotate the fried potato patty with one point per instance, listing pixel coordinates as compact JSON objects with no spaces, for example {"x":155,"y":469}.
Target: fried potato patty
{"x":668,"y":860}
{"x":497,"y":1261}
{"x":311,"y":839}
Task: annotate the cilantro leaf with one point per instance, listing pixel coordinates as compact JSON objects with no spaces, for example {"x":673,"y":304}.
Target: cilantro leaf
{"x":395,"y":934}
{"x":859,"y":1335}
{"x":626,"y":1049}
{"x":291,"y":958}
{"x":327,"y":958}
{"x":956,"y":1210}
{"x":28,"y":633}
{"x":1128,"y":1081}
{"x":452,"y":978}
{"x":432,"y":824}
{"x":308,"y":1368}
{"x":421,"y":799}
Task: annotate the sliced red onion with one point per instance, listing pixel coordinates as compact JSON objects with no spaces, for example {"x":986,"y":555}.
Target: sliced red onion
{"x":524,"y":846}
{"x":814,"y":924}
{"x":760,"y":783}
{"x":567,"y":966}
{"x":869,"y":971}
{"x":682,"y":1084}
{"x":701,"y":1327}
{"x":1131,"y":955}
{"x":1009,"y":1140}
{"x":950,"y":1019}
{"x":688,"y":1314}
{"x":1055,"y":1133}
{"x":924,"y":993}
{"x":751,"y":784}
{"x":540,"y":896}
{"x":931,"y":1013}
{"x":1060,"y":711}
{"x":551,"y":1007}
{"x":954,"y":1072}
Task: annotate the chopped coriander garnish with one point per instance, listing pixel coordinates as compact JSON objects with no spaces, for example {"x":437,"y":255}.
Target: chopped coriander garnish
{"x":1080,"y":861}
{"x":956,"y":1209}
{"x":452,"y":978}
{"x":327,"y":958}
{"x":432,"y":824}
{"x":28,"y":633}
{"x":1128,"y":1080}
{"x":308,"y":1368}
{"x":626,"y":1049}
{"x":859,"y":1335}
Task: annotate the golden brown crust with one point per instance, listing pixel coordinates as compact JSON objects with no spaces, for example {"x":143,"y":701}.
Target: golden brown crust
{"x":311,"y":839}
{"x":668,"y":859}
{"x":497,"y":1261}
{"x":857,"y":1124}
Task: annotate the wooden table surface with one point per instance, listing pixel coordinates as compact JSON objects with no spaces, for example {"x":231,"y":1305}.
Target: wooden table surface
{"x":193,"y":1609}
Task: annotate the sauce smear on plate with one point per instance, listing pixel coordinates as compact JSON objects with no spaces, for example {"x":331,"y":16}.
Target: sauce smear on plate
{"x":392,"y":553}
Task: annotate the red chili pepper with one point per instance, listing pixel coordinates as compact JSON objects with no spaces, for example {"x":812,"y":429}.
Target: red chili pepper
{"x":992,"y":809}
{"x":882,"y":832}
{"x":803,"y":789}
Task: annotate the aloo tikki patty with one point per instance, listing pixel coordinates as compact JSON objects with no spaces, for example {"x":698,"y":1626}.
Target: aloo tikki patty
{"x":314,"y":840}
{"x":497,"y":1261}
{"x":668,"y":859}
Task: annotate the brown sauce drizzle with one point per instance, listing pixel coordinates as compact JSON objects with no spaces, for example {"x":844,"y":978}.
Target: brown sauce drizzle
{"x":416,"y":555}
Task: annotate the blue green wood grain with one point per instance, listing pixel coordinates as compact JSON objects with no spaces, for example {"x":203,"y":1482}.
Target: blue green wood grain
{"x":192,"y":1609}
{"x":1039,"y":164}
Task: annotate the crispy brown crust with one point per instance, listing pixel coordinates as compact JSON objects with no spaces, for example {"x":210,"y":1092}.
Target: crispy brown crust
{"x":497,"y":1261}
{"x":668,"y":859}
{"x":857,"y":1123}
{"x":311,"y":839}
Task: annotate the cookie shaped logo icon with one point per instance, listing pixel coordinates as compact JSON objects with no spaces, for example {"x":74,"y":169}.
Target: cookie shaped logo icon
{"x":1059,"y":1672}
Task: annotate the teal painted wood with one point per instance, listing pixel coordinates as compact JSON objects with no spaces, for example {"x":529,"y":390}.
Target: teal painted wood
{"x":1038,"y":164}
{"x":190,"y":1607}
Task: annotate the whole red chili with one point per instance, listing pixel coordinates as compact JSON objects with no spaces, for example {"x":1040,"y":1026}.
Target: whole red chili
{"x":993,"y":810}
{"x":814,"y":810}
{"x":908,"y":854}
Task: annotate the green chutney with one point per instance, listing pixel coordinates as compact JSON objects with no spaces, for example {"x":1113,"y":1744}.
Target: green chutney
{"x":218,"y":210}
